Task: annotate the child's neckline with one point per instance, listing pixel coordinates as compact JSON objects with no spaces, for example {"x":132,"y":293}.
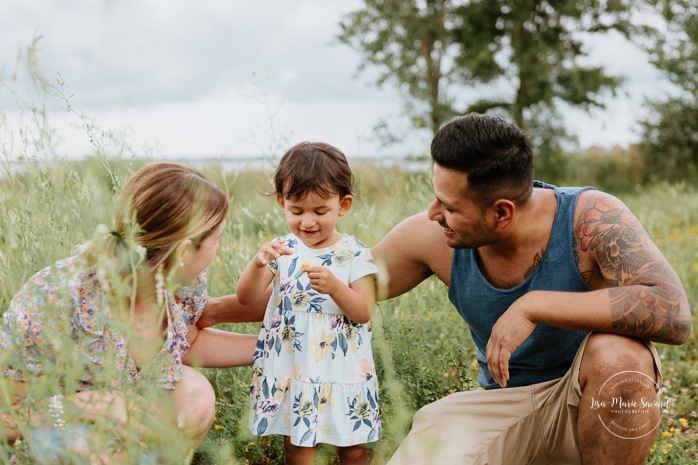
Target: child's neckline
{"x":342,"y":239}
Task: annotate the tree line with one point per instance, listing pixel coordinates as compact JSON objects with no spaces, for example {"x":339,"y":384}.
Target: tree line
{"x":434,"y":49}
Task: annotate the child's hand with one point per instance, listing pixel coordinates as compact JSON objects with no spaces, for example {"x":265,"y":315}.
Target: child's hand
{"x":321,"y":278}
{"x":270,"y":251}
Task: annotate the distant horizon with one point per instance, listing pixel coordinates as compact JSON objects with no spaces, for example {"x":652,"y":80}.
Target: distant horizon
{"x":272,"y":158}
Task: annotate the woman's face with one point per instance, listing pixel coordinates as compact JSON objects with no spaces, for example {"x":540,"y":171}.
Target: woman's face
{"x":195,"y":260}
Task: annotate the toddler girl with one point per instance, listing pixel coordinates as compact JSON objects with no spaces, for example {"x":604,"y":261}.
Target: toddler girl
{"x":314,"y":380}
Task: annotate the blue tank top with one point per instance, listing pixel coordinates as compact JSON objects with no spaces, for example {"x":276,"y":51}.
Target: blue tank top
{"x":548,"y":352}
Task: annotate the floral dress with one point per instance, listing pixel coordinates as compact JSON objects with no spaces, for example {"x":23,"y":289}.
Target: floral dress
{"x":313,"y":377}
{"x":66,"y":304}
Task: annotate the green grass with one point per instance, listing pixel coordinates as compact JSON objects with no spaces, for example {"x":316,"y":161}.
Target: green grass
{"x":422,"y":348}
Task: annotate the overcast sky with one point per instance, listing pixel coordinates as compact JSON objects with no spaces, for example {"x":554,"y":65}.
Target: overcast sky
{"x":225,"y":78}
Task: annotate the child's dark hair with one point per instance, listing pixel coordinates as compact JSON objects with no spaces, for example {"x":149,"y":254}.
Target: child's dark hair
{"x":313,"y":167}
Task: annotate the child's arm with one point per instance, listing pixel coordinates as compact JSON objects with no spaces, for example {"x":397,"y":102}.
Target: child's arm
{"x":356,"y":301}
{"x":256,"y":276}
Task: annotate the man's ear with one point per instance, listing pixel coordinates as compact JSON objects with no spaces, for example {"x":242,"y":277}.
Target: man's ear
{"x":345,"y":204}
{"x":280,"y":200}
{"x":504,"y":210}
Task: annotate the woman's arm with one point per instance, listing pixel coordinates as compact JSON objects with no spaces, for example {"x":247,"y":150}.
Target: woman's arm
{"x":228,"y":309}
{"x":214,"y":348}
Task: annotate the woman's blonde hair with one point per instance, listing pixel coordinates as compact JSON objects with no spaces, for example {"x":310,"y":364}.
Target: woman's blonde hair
{"x":162,"y":204}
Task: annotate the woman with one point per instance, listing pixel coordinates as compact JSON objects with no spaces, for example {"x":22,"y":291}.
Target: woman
{"x":96,"y":350}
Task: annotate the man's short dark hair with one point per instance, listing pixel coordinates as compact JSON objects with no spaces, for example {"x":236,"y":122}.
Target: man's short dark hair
{"x":494,"y":153}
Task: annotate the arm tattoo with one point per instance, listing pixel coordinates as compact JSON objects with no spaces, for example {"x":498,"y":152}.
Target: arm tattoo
{"x":645,"y":294}
{"x":638,"y":312}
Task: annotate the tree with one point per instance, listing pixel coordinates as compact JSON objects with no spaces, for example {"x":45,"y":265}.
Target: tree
{"x":676,"y":52}
{"x":670,"y":141}
{"x":536,"y":46}
{"x":670,"y":135}
{"x":410,"y":41}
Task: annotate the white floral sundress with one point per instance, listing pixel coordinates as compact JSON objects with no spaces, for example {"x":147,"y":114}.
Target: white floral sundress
{"x":313,"y":377}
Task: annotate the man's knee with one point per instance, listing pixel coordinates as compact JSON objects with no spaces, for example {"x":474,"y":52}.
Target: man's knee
{"x":606,"y":355}
{"x":425,"y":417}
{"x":618,"y":413}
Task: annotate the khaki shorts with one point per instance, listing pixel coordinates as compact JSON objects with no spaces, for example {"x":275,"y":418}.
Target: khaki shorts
{"x":534,"y":425}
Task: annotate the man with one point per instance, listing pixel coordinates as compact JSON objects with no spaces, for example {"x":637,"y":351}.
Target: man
{"x":562,"y":290}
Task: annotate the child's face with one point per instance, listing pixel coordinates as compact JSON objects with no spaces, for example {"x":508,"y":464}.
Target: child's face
{"x":313,"y":218}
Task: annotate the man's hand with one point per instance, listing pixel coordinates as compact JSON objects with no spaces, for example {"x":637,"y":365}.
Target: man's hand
{"x":512,"y":328}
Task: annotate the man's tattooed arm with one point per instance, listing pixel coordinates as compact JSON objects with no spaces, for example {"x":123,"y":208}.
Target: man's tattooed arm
{"x":646,"y":296}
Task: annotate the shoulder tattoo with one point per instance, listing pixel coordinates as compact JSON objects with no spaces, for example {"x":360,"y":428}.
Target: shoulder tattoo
{"x":614,"y":235}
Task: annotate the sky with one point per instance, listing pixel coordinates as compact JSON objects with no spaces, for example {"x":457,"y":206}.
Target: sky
{"x":227,"y":78}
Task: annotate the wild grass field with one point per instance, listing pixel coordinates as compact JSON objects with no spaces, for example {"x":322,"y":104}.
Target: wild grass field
{"x":422,"y":348}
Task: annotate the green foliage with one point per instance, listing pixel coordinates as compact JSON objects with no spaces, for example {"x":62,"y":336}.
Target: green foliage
{"x":670,"y":138}
{"x":676,"y":52}
{"x":615,"y":171}
{"x":670,"y":141}
{"x":539,"y":46}
{"x":673,"y":226}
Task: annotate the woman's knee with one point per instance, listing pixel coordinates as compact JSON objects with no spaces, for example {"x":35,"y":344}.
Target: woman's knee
{"x":195,"y":402}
